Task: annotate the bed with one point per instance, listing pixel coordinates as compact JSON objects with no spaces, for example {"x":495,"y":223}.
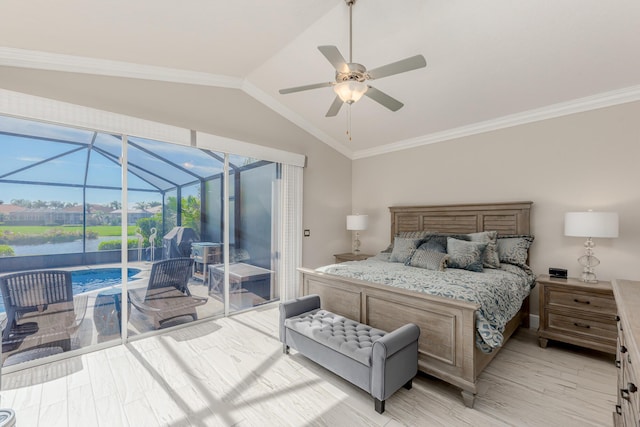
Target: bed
{"x":448,"y":342}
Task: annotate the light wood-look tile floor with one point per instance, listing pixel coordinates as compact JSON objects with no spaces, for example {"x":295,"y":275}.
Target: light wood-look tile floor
{"x":231,"y":372}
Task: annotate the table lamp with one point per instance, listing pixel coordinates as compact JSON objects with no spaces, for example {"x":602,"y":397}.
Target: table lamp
{"x":357,"y":223}
{"x":590,"y":224}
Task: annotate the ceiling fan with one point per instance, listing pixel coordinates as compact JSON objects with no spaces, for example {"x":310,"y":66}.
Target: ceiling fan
{"x":350,"y":84}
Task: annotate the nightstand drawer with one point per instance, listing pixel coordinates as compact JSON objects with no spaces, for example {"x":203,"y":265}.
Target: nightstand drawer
{"x":601,"y":329}
{"x":581,"y":301}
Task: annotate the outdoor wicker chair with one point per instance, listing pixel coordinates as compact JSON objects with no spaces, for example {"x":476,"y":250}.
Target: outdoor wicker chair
{"x":167,"y":296}
{"x":41,"y":310}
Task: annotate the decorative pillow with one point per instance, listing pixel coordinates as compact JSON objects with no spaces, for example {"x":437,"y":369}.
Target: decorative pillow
{"x":431,"y":260}
{"x":465,"y":255}
{"x":403,"y":248}
{"x":514,"y":249}
{"x":409,"y":235}
{"x":491,"y":258}
{"x":438,"y":241}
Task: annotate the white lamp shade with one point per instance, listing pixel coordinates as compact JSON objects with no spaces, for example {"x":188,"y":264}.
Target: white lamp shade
{"x":350,"y":91}
{"x":591,"y":224}
{"x":357,"y":222}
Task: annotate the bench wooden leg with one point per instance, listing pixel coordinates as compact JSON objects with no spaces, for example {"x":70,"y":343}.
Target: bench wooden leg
{"x":379,"y":405}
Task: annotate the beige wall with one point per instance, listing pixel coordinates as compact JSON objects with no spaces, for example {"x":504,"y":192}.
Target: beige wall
{"x":327,"y":202}
{"x":583,"y":161}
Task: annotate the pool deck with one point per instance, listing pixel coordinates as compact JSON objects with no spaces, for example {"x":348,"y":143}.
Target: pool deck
{"x":87,"y":334}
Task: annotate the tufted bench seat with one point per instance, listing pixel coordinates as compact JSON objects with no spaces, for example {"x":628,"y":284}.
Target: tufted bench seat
{"x":376,"y":361}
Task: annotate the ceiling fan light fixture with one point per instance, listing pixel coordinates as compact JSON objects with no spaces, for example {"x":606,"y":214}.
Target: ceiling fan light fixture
{"x":350,"y":91}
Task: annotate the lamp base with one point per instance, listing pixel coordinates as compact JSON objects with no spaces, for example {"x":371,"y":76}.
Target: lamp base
{"x":589,"y":277}
{"x":356,"y":244}
{"x":588,"y":261}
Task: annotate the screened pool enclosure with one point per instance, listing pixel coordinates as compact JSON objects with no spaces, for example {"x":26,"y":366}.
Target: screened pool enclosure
{"x":71,"y":199}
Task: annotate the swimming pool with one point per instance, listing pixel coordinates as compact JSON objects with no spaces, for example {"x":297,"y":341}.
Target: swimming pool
{"x":94,"y":279}
{"x":97,"y":278}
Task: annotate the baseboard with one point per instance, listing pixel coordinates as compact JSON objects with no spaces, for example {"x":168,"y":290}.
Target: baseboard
{"x":534,"y":321}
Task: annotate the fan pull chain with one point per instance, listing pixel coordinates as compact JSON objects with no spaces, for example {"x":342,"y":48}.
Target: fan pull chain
{"x":349,"y":122}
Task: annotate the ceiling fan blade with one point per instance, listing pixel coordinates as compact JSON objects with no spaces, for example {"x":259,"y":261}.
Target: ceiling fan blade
{"x":398,"y":67}
{"x":306,"y":87}
{"x":335,"y":107}
{"x":334,"y":56}
{"x":383,"y":99}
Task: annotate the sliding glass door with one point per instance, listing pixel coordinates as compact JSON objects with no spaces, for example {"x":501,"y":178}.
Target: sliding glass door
{"x":193,"y":230}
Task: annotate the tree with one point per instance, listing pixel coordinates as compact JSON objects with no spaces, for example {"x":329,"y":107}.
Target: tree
{"x":190,"y":212}
{"x":115,"y":205}
{"x":21,"y":202}
{"x":55,"y":204}
{"x":141,"y":205}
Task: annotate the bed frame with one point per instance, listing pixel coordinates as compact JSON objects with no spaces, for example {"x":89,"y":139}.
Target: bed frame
{"x":447,"y":347}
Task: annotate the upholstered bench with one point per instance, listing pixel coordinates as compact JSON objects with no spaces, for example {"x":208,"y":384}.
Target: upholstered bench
{"x":378,"y":362}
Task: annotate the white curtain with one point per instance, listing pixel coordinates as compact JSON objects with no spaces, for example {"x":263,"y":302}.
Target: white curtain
{"x":290,"y":256}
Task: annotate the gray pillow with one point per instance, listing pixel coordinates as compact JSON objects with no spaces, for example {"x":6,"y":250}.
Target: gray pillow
{"x":431,"y":260}
{"x":409,"y":235}
{"x":466,"y":255}
{"x":438,"y":241}
{"x":403,"y":248}
{"x":491,"y":258}
{"x":514,"y":249}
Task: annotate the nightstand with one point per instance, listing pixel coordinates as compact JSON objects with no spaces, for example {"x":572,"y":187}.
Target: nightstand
{"x":577,"y":313}
{"x":351,"y":257}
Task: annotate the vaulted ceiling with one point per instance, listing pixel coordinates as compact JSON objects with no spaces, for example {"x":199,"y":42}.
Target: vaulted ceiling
{"x":489,"y":64}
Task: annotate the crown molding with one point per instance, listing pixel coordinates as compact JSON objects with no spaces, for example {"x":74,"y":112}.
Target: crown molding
{"x":594,"y":102}
{"x":12,"y":57}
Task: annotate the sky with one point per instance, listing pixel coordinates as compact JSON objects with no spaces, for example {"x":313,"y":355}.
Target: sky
{"x":33,"y":152}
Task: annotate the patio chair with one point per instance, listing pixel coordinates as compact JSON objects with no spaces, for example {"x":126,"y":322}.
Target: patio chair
{"x":41,"y":310}
{"x":167,"y":296}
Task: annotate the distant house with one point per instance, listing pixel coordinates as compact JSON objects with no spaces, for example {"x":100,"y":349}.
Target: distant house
{"x":72,"y":215}
{"x":133,"y":215}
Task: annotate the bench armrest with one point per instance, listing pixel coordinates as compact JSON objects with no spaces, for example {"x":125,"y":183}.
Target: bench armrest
{"x":296,"y":307}
{"x":395,"y":341}
{"x":394,"y":360}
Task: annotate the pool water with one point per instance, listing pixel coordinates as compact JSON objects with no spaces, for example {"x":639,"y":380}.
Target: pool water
{"x":95,"y":278}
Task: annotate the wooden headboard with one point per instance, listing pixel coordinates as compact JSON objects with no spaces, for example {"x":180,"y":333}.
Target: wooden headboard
{"x":506,"y":218}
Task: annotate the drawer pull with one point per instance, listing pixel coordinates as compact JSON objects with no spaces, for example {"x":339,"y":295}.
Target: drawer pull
{"x":618,"y":364}
{"x":623,"y":349}
{"x":619,"y":409}
{"x":581,"y":301}
{"x":582,"y":325}
{"x":617,"y":318}
{"x":624,"y":393}
{"x":632,"y":387}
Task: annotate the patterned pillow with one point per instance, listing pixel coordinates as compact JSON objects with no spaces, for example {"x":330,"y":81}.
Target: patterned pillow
{"x":438,"y":241}
{"x":431,"y":260}
{"x":491,"y":258}
{"x":466,"y":255}
{"x":514,"y":249}
{"x":407,"y":234}
{"x":403,"y":248}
